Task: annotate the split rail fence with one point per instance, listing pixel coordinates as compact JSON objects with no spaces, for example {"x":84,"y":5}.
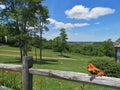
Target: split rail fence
{"x":28,"y":72}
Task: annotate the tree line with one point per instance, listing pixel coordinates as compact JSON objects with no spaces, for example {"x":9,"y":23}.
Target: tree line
{"x":60,"y":44}
{"x":105,"y":48}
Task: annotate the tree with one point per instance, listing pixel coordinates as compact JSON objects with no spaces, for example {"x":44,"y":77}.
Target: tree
{"x":42,"y":16}
{"x":108,"y":48}
{"x":56,"y":44}
{"x":20,"y":14}
{"x":60,"y":42}
{"x":3,"y":33}
{"x":63,"y":41}
{"x":36,"y":44}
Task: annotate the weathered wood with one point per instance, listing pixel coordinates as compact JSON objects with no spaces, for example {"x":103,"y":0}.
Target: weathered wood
{"x":5,"y":88}
{"x":26,"y":76}
{"x":79,"y":77}
{"x":13,"y":67}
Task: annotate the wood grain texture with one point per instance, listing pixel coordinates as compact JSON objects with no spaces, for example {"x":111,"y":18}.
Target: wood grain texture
{"x":13,"y":67}
{"x":27,"y":78}
{"x":79,"y":77}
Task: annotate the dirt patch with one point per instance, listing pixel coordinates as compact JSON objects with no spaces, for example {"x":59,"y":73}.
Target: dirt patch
{"x":10,"y":51}
{"x":11,"y":55}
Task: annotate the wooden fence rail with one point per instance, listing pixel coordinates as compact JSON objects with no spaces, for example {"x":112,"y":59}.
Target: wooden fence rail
{"x":28,"y":71}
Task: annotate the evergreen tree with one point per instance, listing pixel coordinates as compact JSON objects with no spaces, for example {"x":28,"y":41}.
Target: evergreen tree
{"x":63,"y":41}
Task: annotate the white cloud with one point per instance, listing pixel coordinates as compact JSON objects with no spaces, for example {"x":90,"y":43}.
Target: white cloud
{"x":66,"y":25}
{"x":52,"y":21}
{"x":78,"y":37}
{"x":2,"y":6}
{"x":71,"y":36}
{"x":97,"y":23}
{"x":81,"y":12}
{"x":50,"y":35}
{"x":63,"y":25}
{"x":81,"y":24}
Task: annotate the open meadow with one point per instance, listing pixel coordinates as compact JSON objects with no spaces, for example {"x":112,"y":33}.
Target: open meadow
{"x":54,"y":61}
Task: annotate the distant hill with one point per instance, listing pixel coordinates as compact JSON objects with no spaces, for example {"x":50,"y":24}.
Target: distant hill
{"x":84,"y":42}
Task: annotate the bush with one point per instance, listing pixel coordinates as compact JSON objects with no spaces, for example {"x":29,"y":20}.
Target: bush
{"x":110,"y":68}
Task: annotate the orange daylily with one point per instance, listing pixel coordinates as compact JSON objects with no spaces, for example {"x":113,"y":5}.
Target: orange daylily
{"x":1,"y":81}
{"x":94,"y":70}
{"x":37,"y":80}
{"x":6,"y":71}
{"x":101,"y":73}
{"x":13,"y":72}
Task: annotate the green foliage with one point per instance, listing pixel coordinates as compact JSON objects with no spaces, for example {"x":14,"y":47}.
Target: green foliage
{"x":63,"y":40}
{"x":47,"y":44}
{"x":60,"y":42}
{"x":10,"y":79}
{"x":105,"y":48}
{"x":20,"y":15}
{"x":111,"y":68}
{"x":3,"y":32}
{"x":108,"y":48}
{"x":35,"y":41}
{"x":56,"y":42}
{"x":87,"y":49}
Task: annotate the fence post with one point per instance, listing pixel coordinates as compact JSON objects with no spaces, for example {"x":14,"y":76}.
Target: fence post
{"x":26,"y":76}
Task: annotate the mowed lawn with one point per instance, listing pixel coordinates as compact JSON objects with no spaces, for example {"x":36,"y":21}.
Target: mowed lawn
{"x":53,"y":60}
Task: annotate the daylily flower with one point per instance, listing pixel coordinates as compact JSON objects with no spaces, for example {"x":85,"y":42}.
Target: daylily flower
{"x":94,"y":70}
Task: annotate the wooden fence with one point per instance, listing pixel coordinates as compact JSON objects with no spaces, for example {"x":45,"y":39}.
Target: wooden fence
{"x":27,"y":75}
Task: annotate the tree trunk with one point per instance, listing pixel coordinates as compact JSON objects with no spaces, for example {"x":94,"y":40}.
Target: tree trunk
{"x":26,"y":49}
{"x":21,"y":50}
{"x":41,"y":45}
{"x":25,"y":53}
{"x":35,"y":53}
{"x":21,"y":53}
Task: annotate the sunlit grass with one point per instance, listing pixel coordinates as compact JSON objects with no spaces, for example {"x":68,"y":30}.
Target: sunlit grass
{"x":73,"y":62}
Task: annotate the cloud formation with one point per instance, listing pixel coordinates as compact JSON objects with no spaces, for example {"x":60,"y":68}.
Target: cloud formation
{"x":82,"y":12}
{"x":2,"y":6}
{"x":59,"y":25}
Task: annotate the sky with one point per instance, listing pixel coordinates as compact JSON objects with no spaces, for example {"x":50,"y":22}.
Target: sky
{"x":84,"y":20}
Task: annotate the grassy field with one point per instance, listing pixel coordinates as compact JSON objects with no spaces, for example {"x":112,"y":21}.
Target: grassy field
{"x":53,"y":60}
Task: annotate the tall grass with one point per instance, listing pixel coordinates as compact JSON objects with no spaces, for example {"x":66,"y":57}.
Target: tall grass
{"x":10,"y":79}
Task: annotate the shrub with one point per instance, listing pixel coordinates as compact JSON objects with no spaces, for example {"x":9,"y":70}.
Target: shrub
{"x":110,"y":68}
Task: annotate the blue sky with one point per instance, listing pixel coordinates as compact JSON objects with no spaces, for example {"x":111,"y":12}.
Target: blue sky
{"x":84,"y":20}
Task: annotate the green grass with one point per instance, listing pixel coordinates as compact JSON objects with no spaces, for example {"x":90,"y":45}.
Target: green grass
{"x":45,"y":83}
{"x":9,"y":48}
{"x":72,"y":62}
{"x":15,"y":51}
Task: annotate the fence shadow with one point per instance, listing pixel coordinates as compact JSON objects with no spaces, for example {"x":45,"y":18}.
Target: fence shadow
{"x":65,"y":56}
{"x":16,"y":61}
{"x":46,"y":61}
